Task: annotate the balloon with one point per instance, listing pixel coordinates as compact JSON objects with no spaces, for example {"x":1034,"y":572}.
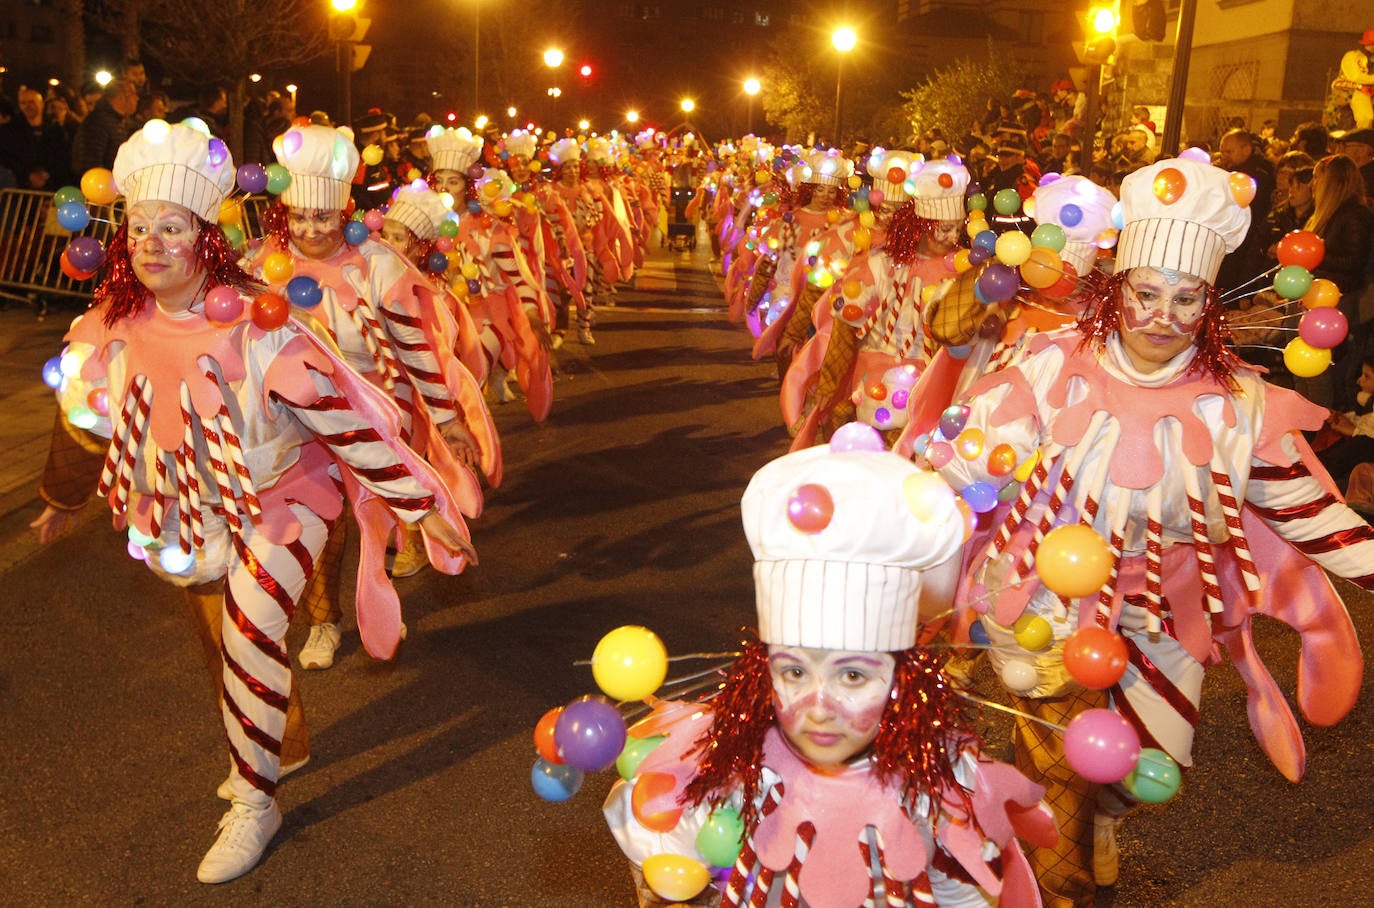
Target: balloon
{"x":1242,"y":188}
{"x":928,"y":497}
{"x":721,"y":837}
{"x":1049,"y":236}
{"x":1071,"y":215}
{"x":71,"y":270}
{"x":1304,"y":360}
{"x":1155,"y":779}
{"x":810,"y":508}
{"x":998,"y":283}
{"x":1006,"y":201}
{"x":1065,"y":286}
{"x":99,"y":401}
{"x":978,"y":634}
{"x":1073,"y":561}
{"x":629,"y":663}
{"x":73,"y":216}
{"x":543,"y":736}
{"x":436,"y":262}
{"x":1095,"y":657}
{"x":1101,"y":746}
{"x":372,"y":155}
{"x":986,"y":241}
{"x":1019,"y":676}
{"x":448,"y":228}
{"x":232,"y":235}
{"x":590,"y":734}
{"x":252,"y":178}
{"x":1169,"y":185}
{"x":1001,"y":460}
{"x":977,"y":202}
{"x":981,"y":497}
{"x":98,"y":186}
{"x":1042,"y":268}
{"x":373,"y":219}
{"x":304,"y":292}
{"x":1033,"y":632}
{"x":1322,"y":294}
{"x":939,"y":453}
{"x":1323,"y":328}
{"x":67,"y":194}
{"x":1194,"y":153}
{"x":952,"y":420}
{"x":86,"y":253}
{"x":443,"y":244}
{"x":1013,"y":248}
{"x":647,"y":787}
{"x":1301,"y":247}
{"x":675,"y":877}
{"x":223,"y":305}
{"x":636,"y":749}
{"x":856,"y":436}
{"x":277,"y":268}
{"x":961,"y":261}
{"x":1292,"y":281}
{"x":969,"y":443}
{"x":278,"y":178}
{"x":355,"y":233}
{"x":554,"y":782}
{"x":270,"y":311}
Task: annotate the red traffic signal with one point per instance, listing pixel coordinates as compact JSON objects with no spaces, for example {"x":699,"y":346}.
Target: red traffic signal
{"x":586,"y":71}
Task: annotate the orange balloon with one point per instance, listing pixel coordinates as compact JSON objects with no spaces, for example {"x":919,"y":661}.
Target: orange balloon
{"x":1242,"y":188}
{"x":1322,"y":293}
{"x":270,"y":311}
{"x":1301,"y":247}
{"x":1095,"y":657}
{"x":1074,"y":561}
{"x":543,"y":735}
{"x":71,"y":270}
{"x":1169,"y":185}
{"x":98,"y":186}
{"x":1001,"y":460}
{"x":1043,"y":269}
{"x":648,"y":786}
{"x":277,"y":268}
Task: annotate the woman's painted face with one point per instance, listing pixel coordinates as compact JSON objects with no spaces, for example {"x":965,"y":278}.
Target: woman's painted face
{"x":317,"y":232}
{"x":519,"y":168}
{"x":829,"y":702}
{"x":162,"y":249}
{"x":941,"y":240}
{"x":1160,"y":311}
{"x":399,"y":235}
{"x":455,"y":184}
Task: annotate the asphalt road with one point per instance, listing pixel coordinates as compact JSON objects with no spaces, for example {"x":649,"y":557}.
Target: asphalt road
{"x":622,"y":508}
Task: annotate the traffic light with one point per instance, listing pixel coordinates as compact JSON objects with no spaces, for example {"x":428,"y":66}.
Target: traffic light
{"x":348,"y":30}
{"x":586,"y":70}
{"x":1099,"y":32}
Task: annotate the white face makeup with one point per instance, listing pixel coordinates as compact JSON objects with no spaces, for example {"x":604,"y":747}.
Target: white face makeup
{"x":162,"y":251}
{"x":317,"y":232}
{"x":829,"y":703}
{"x":1160,"y":311}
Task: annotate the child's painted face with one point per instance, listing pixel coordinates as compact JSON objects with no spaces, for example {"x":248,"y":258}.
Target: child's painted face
{"x":829,"y":702}
{"x":455,"y":184}
{"x":399,"y":236}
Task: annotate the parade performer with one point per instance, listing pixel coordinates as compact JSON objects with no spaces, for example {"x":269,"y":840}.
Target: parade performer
{"x":587,"y":213}
{"x":834,"y":743}
{"x":1357,"y":78}
{"x":1143,"y":426}
{"x":612,"y":243}
{"x":233,"y":436}
{"x":389,"y":323}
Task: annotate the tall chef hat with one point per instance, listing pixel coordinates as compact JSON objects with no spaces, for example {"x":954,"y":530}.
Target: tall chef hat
{"x":453,"y":149}
{"x":322,"y":161}
{"x":175,"y":163}
{"x":1087,"y":224}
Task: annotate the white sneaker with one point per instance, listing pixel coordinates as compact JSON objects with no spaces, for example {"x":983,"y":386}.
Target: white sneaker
{"x":1106,"y":858}
{"x":244,"y":833}
{"x":318,"y":652}
{"x":412,"y":559}
{"x":585,"y":336}
{"x":225,"y":793}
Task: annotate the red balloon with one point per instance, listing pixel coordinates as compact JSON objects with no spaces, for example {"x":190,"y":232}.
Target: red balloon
{"x":1095,"y":657}
{"x":647,"y":786}
{"x":543,"y":735}
{"x":270,"y":311}
{"x":896,"y":175}
{"x":1064,"y":287}
{"x":810,"y":508}
{"x":1301,"y":247}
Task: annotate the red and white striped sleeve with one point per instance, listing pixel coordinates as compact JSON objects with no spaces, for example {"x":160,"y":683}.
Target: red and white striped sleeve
{"x":420,"y":362}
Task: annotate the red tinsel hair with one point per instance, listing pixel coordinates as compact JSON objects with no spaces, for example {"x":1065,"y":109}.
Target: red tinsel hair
{"x":273,"y":221}
{"x":1102,"y":318}
{"x":922,"y":732}
{"x":905,"y":231}
{"x":122,"y":294}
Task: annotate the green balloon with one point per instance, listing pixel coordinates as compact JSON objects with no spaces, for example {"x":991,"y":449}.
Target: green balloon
{"x":721,"y":837}
{"x":1007,"y":201}
{"x":1051,"y":236}
{"x":636,"y":749}
{"x":67,"y":194}
{"x":978,"y":202}
{"x":278,"y":178}
{"x":233,"y":234}
{"x":1155,"y":779}
{"x":1292,"y":281}
{"x":448,"y":228}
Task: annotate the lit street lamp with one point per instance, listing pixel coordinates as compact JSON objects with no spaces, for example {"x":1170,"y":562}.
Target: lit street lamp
{"x":751,"y":88}
{"x":293,"y":88}
{"x":688,"y":105}
{"x":632,"y":116}
{"x":511,"y":111}
{"x":553,"y":58}
{"x":843,"y":40}
{"x":103,"y":78}
{"x":584,"y":125}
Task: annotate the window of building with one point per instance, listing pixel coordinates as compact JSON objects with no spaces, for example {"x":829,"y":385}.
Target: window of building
{"x":761,"y":19}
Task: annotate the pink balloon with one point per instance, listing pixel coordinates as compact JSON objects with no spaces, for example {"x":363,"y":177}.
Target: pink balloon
{"x":810,"y":508}
{"x":876,"y":198}
{"x":443,"y":244}
{"x":373,"y":220}
{"x":223,"y":305}
{"x":1323,"y":328}
{"x":856,"y":436}
{"x":1101,"y":746}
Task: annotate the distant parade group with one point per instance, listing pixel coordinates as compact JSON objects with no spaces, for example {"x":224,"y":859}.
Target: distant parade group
{"x":1020,"y":431}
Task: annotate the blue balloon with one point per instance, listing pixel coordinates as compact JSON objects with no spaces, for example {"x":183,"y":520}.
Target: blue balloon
{"x":981,"y":496}
{"x":554,"y":781}
{"x":978,"y":634}
{"x":356,"y":233}
{"x":1070,"y":215}
{"x":73,"y":216}
{"x":437,"y":262}
{"x":962,"y":351}
{"x":985,"y":240}
{"x":475,"y":207}
{"x":52,"y":373}
{"x":303,"y":291}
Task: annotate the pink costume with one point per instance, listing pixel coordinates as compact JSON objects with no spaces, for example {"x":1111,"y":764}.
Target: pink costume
{"x":612,"y":244}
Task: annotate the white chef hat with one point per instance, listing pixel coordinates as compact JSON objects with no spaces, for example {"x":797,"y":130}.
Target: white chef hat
{"x":599,"y":151}
{"x":493,"y":186}
{"x":564,"y":151}
{"x":940,"y":187}
{"x":1179,"y":214}
{"x":880,"y":165}
{"x":851,"y":583}
{"x":453,"y":149}
{"x":647,"y":138}
{"x":177,"y":164}
{"x":521,"y":143}
{"x":322,"y":161}
{"x":1089,"y":219}
{"x":420,"y":209}
{"x":827,"y":168}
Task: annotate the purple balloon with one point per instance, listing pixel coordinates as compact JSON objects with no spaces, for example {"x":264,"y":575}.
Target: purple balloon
{"x":978,"y":255}
{"x":86,"y":254}
{"x":952,"y":420}
{"x":856,"y":436}
{"x":981,"y":496}
{"x":252,"y":178}
{"x":590,"y":734}
{"x":1101,"y":746}
{"x":998,"y":283}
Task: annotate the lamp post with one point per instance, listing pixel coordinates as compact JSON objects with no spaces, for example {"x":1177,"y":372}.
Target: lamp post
{"x":751,"y":88}
{"x":343,"y":55}
{"x":632,"y":117}
{"x":476,"y":54}
{"x":843,"y":41}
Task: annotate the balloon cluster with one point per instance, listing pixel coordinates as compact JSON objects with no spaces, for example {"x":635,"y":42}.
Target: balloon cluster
{"x":1013,"y":258}
{"x":953,"y":438}
{"x":84,"y":254}
{"x":1322,"y":326}
{"x":589,"y":735}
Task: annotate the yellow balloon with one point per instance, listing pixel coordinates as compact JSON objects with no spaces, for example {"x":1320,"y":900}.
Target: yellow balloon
{"x":501,"y":208}
{"x":863,"y":237}
{"x":1026,"y":467}
{"x":1074,"y":561}
{"x":98,"y":186}
{"x":1013,"y":248}
{"x":372,"y":155}
{"x":866,"y":218}
{"x":228,"y":212}
{"x":535,"y":166}
{"x":1305,"y":360}
{"x":855,"y":182}
{"x":278,"y":268}
{"x":961,"y":262}
{"x":629,"y":663}
{"x":492,"y":189}
{"x":1032,"y":632}
{"x":973,"y":228}
{"x":675,"y":877}
{"x":470,"y":270}
{"x":928,"y":497}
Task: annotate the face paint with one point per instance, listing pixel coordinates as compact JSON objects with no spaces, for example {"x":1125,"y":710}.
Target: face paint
{"x":1151,"y":295}
{"x":162,"y":252}
{"x":316,"y":232}
{"x":829,"y":703}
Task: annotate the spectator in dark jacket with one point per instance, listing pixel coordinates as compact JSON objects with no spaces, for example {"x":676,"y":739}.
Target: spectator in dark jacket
{"x":1239,"y":153}
{"x":1346,"y":225}
{"x":33,"y":148}
{"x":105,"y":128}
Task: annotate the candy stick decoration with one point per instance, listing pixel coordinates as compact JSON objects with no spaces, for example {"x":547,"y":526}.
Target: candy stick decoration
{"x":220,"y":470}
{"x":234,"y":459}
{"x":1211,"y":587}
{"x":192,"y":468}
{"x":1154,"y":554}
{"x":1230,"y":509}
{"x":791,"y":889}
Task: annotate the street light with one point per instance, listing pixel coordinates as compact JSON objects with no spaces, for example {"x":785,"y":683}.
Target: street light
{"x":293,"y":88}
{"x":632,"y":116}
{"x":584,"y":125}
{"x":511,"y":111}
{"x":843,"y":40}
{"x":553,"y":58}
{"x":688,"y":105}
{"x":481,"y":122}
{"x":751,"y":88}
{"x":103,"y":78}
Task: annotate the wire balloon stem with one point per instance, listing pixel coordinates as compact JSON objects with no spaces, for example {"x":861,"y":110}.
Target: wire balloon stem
{"x":1008,"y":709}
{"x":681,"y":658}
